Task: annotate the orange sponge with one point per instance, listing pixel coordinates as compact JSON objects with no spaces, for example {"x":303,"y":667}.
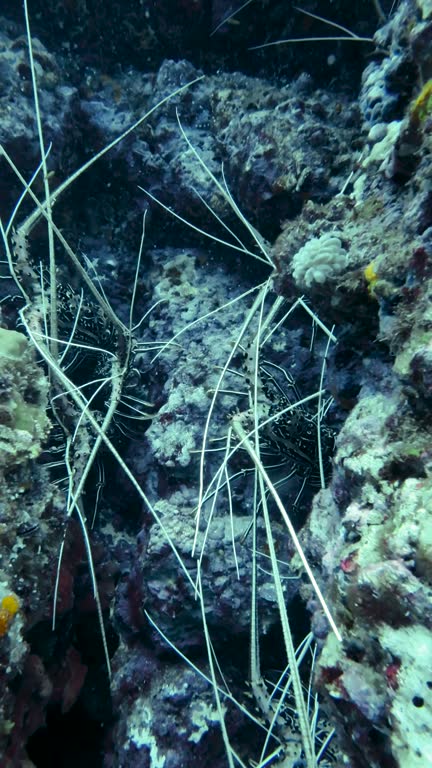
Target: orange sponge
{"x":9,"y":606}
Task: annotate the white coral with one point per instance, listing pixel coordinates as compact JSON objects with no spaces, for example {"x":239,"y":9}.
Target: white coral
{"x":320,"y":258}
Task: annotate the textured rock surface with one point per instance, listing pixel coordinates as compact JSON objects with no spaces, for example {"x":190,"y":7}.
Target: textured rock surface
{"x":311,"y":148}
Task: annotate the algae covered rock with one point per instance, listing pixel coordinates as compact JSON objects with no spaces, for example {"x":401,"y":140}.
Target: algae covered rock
{"x":23,"y":400}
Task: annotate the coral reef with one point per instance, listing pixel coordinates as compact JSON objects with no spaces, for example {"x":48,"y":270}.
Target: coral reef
{"x":326,"y":153}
